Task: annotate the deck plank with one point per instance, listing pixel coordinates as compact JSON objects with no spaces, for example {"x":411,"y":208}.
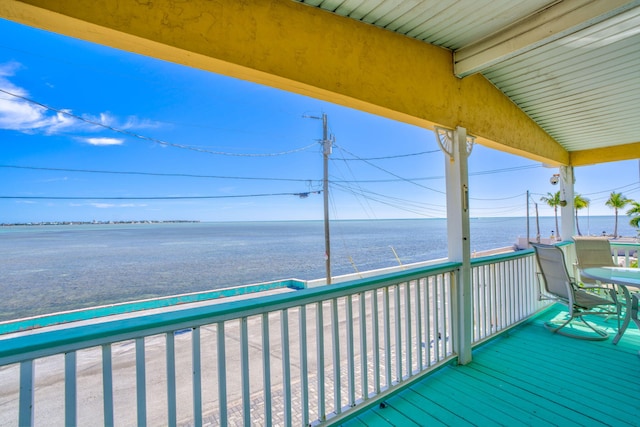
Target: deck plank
{"x":399,"y":412}
{"x":483,"y":397}
{"x":528,"y":376}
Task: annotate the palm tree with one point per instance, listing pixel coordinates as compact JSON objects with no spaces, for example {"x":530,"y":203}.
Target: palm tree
{"x":616,"y":201}
{"x":579,"y":202}
{"x":553,"y":200}
{"x":634,"y":213}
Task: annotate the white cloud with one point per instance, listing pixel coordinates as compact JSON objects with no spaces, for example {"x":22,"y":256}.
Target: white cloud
{"x":18,"y":114}
{"x":23,"y":116}
{"x":103,"y":141}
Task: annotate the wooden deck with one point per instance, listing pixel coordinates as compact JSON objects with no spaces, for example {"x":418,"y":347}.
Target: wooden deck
{"x":526,"y":377}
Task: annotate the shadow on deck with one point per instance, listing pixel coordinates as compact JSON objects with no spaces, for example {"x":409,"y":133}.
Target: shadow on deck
{"x":528,"y":376}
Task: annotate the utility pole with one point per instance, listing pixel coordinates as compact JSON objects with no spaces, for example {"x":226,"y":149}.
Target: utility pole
{"x":327,"y":144}
{"x":326,"y":151}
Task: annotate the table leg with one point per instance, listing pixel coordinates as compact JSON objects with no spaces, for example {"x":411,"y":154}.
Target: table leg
{"x":627,"y":314}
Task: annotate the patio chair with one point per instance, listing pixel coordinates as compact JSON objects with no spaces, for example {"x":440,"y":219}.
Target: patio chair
{"x":592,"y":252}
{"x":557,"y":285}
{"x":596,"y":252}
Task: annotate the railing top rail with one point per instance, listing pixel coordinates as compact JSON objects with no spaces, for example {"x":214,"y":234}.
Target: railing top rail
{"x":51,"y":319}
{"x":491,"y":259}
{"x":41,"y":343}
{"x":632,"y":244}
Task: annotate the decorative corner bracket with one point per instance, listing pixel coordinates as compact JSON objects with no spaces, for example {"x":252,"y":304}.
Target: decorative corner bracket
{"x":444,"y":137}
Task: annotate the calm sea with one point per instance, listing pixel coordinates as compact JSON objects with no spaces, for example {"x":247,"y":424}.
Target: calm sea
{"x":47,"y":269}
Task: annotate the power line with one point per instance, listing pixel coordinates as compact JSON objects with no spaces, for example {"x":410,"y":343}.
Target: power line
{"x":391,"y":173}
{"x":497,"y":199}
{"x":186,"y":175}
{"x":613,"y":189}
{"x":301,"y":195}
{"x":390,"y":157}
{"x":395,"y":202}
{"x":150,"y":139}
{"x":515,"y":168}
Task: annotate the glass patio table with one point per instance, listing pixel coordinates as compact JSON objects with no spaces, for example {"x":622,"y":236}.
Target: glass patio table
{"x":625,"y":278}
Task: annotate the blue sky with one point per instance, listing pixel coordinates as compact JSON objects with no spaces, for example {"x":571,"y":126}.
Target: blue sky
{"x":92,"y":133}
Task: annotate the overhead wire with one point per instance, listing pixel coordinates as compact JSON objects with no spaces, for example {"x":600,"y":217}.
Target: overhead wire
{"x":360,"y":159}
{"x":393,"y":174}
{"x":185,"y":175}
{"x":397,"y":203}
{"x":302,"y":194}
{"x":150,"y":139}
{"x":371,"y":212}
{"x":361,"y":193}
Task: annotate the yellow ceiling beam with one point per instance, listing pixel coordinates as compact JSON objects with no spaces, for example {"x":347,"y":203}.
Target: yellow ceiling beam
{"x":302,"y":49}
{"x":614,"y":153}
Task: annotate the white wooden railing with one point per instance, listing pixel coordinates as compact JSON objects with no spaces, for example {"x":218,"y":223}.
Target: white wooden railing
{"x":625,"y":252}
{"x":304,"y":357}
{"x":505,"y":292}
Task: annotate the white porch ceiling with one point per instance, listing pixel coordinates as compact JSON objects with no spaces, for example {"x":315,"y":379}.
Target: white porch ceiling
{"x":573,"y":66}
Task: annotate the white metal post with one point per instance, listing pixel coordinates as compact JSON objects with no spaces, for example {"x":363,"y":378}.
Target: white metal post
{"x":458,"y":147}
{"x":567,"y":212}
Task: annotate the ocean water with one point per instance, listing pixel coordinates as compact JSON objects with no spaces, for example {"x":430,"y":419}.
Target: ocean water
{"x":46,"y":269}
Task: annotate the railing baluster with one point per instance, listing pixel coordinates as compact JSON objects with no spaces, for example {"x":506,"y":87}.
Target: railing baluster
{"x":518,"y":280}
{"x":513,"y":291}
{"x":375,"y":319}
{"x":350,"y":352}
{"x":244,"y":374}
{"x":364,"y":366}
{"x":418,"y":301}
{"x":107,"y":385}
{"x":197,"y":376}
{"x":171,"y":378}
{"x":266,"y":366}
{"x":436,"y":318}
{"x":503,"y":296}
{"x":481,"y":303}
{"x":27,"y":372}
{"x":337,"y":395}
{"x":446,"y":292}
{"x":495,"y":301}
{"x":304,"y":375}
{"x":70,"y":389}
{"x":222,"y":375}
{"x":286,"y":366}
{"x":476,"y":314}
{"x":398,"y":331}
{"x":322,"y":410}
{"x":427,"y":320}
{"x":141,"y":383}
{"x":387,"y":336}
{"x":407,"y":320}
{"x":486,"y":299}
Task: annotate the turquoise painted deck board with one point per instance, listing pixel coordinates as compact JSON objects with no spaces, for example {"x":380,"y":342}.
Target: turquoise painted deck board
{"x":457,"y":387}
{"x":528,"y":377}
{"x":566,"y":395}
